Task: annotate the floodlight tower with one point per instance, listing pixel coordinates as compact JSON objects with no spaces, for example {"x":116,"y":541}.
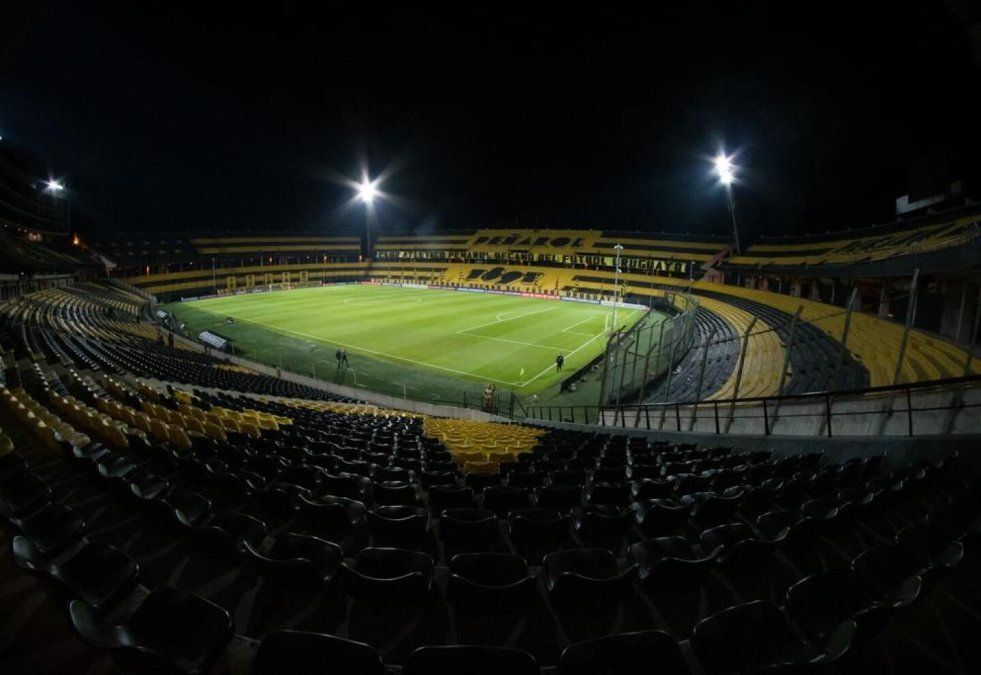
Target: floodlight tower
{"x":726,"y":172}
{"x":55,"y":188}
{"x":616,"y":285}
{"x":367,"y":191}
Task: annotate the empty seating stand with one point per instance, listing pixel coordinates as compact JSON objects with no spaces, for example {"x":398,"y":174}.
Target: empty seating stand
{"x":169,"y":519}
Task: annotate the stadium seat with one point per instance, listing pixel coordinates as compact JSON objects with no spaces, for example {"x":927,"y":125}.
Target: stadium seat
{"x":389,"y":575}
{"x":821,"y":602}
{"x":661,"y":517}
{"x":297,"y":559}
{"x":98,"y":573}
{"x":171,"y":626}
{"x":474,"y":660}
{"x":398,"y":525}
{"x":482,"y":582}
{"x":502,"y":500}
{"x":290,"y":651}
{"x":649,"y":651}
{"x":889,"y":574}
{"x":602,"y":526}
{"x":758,"y":636}
{"x":52,"y":527}
{"x":671,"y":562}
{"x":469,"y":529}
{"x":584,"y":576}
{"x":537,"y":531}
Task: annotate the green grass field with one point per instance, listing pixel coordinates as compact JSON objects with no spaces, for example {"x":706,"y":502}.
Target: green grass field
{"x":427,"y":344}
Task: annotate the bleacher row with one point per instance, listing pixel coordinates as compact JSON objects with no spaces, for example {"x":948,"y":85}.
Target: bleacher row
{"x":892,"y":241}
{"x":78,"y":326}
{"x":171,"y":520}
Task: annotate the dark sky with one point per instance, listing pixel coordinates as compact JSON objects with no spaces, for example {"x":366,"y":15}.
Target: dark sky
{"x":177,"y":118}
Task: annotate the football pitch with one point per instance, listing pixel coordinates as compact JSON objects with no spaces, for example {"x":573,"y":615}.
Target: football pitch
{"x":425,"y":344}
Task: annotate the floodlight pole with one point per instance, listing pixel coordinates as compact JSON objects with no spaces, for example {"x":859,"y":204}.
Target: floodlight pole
{"x":616,"y":285}
{"x":732,"y":212}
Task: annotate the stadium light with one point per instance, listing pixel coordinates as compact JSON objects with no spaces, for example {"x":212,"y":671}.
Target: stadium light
{"x":367,"y":191}
{"x":54,"y":186}
{"x":726,"y":171}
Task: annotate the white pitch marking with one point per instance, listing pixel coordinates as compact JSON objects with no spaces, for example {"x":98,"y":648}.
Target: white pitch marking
{"x":358,"y":348}
{"x":577,"y":349}
{"x":588,"y":318}
{"x":500,"y":320}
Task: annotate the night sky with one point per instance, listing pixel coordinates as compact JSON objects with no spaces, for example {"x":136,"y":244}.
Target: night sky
{"x":173,"y":119}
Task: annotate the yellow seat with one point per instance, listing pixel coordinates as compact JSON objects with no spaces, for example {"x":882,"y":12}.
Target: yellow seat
{"x":480,"y":468}
{"x":215,"y":431}
{"x":178,"y":437}
{"x":193,"y":426}
{"x":159,"y":428}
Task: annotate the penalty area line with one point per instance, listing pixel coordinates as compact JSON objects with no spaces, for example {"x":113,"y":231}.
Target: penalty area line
{"x":356,"y":348}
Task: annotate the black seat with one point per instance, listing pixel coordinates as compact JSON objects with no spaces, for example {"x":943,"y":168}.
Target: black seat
{"x":489,"y":581}
{"x":671,"y":561}
{"x":52,"y":527}
{"x":931,"y":548}
{"x":450,"y":497}
{"x":469,"y":528}
{"x":602,"y":526}
{"x":715,"y":510}
{"x":290,"y":651}
{"x":647,"y":488}
{"x":890,"y":574}
{"x":433,"y":478}
{"x":502,"y":500}
{"x":740,"y":545}
{"x":401,"y":524}
{"x":394,"y":493}
{"x":171,"y":626}
{"x":228,"y":534}
{"x":790,"y":528}
{"x":473,"y":660}
{"x":149,"y":486}
{"x":299,"y":559}
{"x":20,"y":497}
{"x":330,"y":516}
{"x":583,"y":575}
{"x":649,"y":651}
{"x":536,"y":532}
{"x":562,"y":498}
{"x":820,"y":602}
{"x":389,"y":575}
{"x":758,"y":636}
{"x":614,"y":494}
{"x":98,"y":573}
{"x":661,"y":517}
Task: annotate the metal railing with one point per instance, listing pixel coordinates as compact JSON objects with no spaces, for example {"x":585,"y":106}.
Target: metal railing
{"x":762,"y":413}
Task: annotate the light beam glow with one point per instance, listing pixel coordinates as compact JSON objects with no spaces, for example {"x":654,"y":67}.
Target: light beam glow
{"x":724,"y":169}
{"x":367,"y":191}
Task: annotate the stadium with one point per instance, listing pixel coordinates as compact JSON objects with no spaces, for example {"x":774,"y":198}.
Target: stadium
{"x":387,"y":446}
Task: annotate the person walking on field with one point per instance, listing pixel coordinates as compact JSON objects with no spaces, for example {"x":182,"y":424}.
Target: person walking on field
{"x":344,"y":358}
{"x":337,"y":355}
{"x":559,"y":362}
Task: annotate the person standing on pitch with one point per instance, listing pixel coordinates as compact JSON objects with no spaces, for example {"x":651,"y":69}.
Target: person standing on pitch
{"x":344,"y":358}
{"x":337,"y":355}
{"x":559,"y":362}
